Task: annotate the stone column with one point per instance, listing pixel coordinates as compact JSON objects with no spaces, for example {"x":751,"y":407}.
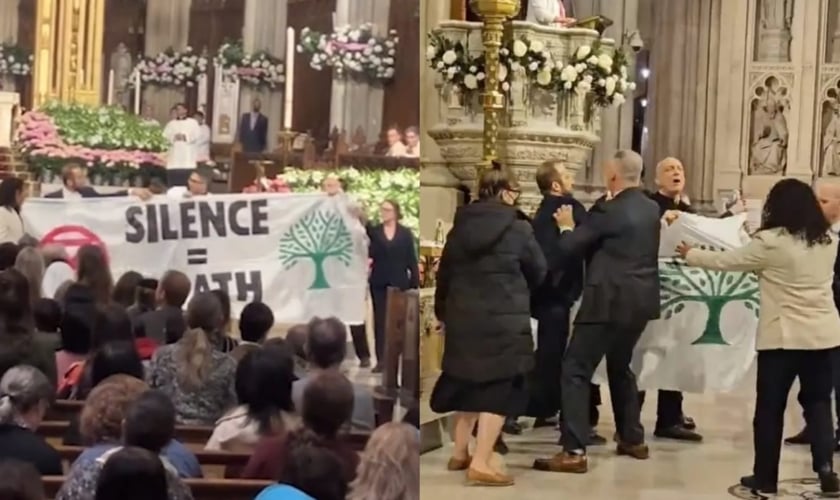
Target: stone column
{"x":265,"y":29}
{"x":167,"y":26}
{"x":356,"y":103}
{"x":438,"y":194}
{"x":8,"y":32}
{"x":683,"y":90}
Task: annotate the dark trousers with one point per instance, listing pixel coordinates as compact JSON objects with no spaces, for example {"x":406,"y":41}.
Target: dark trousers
{"x":669,"y":411}
{"x":835,"y":380}
{"x":552,"y":337}
{"x":178,"y":176}
{"x":379,"y":298}
{"x":776,"y":371}
{"x":589,"y":344}
{"x":360,"y":343}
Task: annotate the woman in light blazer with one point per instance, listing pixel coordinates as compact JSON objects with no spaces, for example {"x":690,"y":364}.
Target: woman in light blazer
{"x":798,"y":325}
{"x":11,"y":198}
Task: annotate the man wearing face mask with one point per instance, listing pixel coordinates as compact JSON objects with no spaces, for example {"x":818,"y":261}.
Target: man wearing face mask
{"x":253,"y":129}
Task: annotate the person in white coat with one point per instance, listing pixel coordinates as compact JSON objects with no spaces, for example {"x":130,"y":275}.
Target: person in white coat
{"x":202,"y":142}
{"x":12,"y":195}
{"x":547,"y":12}
{"x":182,"y":134}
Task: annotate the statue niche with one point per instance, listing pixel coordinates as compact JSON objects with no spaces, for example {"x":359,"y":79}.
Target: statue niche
{"x":769,"y":139}
{"x":121,"y":63}
{"x":830,"y":137}
{"x":774,"y":22}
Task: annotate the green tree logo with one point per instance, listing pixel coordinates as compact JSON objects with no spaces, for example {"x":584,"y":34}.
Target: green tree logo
{"x":680,"y":284}
{"x":317,"y":236}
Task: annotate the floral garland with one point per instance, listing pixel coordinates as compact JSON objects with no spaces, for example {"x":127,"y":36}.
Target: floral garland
{"x":351,"y":52}
{"x":99,"y":137}
{"x":171,"y":69}
{"x":14,"y":60}
{"x":259,"y":69}
{"x":591,"y":69}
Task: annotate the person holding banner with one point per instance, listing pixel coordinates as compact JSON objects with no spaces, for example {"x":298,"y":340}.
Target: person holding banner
{"x":75,"y":186}
{"x":798,"y":326}
{"x":620,"y":296}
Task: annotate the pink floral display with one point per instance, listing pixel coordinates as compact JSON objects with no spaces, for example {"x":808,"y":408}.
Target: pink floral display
{"x":266,"y":185}
{"x":39,"y":137}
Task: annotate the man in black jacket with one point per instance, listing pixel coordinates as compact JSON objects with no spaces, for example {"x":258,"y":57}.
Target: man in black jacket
{"x":828,"y":195}
{"x":75,"y":185}
{"x":621,"y":294}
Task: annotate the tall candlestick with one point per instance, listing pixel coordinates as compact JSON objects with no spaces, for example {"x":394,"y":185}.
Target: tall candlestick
{"x":110,"y":100}
{"x":137,"y":92}
{"x":290,"y":78}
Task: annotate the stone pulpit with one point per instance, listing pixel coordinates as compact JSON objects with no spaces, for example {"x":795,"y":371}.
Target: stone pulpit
{"x":9,"y":109}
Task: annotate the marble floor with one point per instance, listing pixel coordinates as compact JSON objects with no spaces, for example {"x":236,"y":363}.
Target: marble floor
{"x":686,"y":471}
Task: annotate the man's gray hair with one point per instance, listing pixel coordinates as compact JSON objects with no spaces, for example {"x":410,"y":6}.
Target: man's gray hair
{"x":630,"y":165}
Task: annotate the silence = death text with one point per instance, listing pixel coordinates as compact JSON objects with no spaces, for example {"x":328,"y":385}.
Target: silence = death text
{"x":155,"y":222}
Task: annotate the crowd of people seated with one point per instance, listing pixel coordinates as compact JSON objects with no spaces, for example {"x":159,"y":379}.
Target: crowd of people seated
{"x":143,"y":365}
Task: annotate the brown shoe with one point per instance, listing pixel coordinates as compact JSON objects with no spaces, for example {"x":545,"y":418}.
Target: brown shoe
{"x":563,"y":462}
{"x":637,"y":451}
{"x":476,"y":478}
{"x":456,"y":464}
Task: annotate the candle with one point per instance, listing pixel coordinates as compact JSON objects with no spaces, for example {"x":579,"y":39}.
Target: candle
{"x":290,"y":78}
{"x":110,"y":100}
{"x":137,"y":91}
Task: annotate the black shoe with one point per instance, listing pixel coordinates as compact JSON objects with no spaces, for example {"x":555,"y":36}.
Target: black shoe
{"x":377,"y":369}
{"x":688,"y":423}
{"x":801,"y":438}
{"x":500,"y":447}
{"x":364,"y":363}
{"x":545,"y":422}
{"x":679,"y":433}
{"x":596,"y":439}
{"x":758,"y":489}
{"x":829,"y":484}
{"x":512,"y":427}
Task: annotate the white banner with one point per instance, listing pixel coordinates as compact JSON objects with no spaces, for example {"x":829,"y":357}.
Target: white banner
{"x":705,"y":339}
{"x":304,"y":255}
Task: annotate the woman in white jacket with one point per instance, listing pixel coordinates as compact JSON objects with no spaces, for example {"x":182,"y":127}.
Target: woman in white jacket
{"x":11,"y":197}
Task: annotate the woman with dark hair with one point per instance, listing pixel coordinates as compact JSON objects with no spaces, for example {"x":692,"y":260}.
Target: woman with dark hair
{"x":193,"y":371}
{"x":18,"y":344}
{"x":393,"y":264}
{"x":20,"y":481}
{"x":264,"y":390}
{"x":132,"y":474}
{"x":225,"y":342}
{"x":327,"y":407}
{"x":489,"y":266}
{"x":113,"y":358}
{"x":125,"y":290}
{"x":793,"y":254}
{"x":12,"y":194}
{"x":46,"y":314}
{"x":30,"y":263}
{"x":92,"y":271}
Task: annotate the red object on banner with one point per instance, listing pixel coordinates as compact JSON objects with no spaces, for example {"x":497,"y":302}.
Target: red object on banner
{"x":72,"y":238}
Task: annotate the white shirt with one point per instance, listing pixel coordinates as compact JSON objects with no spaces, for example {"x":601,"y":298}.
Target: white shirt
{"x":202,"y":143}
{"x":182,"y":153}
{"x":397,"y":150}
{"x":180,"y":192}
{"x":413,"y":152}
{"x":70,"y":195}
{"x":545,"y":11}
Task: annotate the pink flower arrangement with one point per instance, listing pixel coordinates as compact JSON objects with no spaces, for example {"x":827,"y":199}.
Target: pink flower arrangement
{"x":266,"y":185}
{"x":38,"y":137}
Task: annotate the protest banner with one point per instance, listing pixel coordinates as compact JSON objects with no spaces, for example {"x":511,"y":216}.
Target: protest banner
{"x":304,"y":255}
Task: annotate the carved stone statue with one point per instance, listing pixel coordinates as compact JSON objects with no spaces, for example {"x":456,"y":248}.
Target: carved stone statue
{"x":774,"y":30}
{"x":122,"y":65}
{"x":768,"y":150}
{"x":831,"y":142}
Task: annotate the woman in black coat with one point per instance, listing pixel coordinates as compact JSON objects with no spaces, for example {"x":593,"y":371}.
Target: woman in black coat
{"x":490,"y":265}
{"x":393,"y":264}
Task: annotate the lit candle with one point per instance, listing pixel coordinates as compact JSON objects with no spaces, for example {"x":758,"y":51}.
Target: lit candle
{"x":137,"y":91}
{"x":110,"y":100}
{"x":290,"y":78}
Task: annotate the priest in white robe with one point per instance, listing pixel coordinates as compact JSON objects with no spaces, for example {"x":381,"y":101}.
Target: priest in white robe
{"x":182,"y":134}
{"x":547,"y":12}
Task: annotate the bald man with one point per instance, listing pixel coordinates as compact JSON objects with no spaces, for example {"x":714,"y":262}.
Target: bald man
{"x":828,"y":194}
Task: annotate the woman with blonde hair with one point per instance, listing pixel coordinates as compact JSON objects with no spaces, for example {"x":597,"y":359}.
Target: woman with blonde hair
{"x":197,"y":376}
{"x":30,"y":263}
{"x":390,"y":465}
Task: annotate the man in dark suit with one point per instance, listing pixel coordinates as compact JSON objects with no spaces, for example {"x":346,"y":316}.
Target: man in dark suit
{"x":828,"y":194}
{"x":75,"y":185}
{"x":621,"y":294}
{"x":166,"y":324}
{"x":253,"y":129}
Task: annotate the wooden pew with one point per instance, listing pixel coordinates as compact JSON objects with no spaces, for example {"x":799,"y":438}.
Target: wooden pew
{"x":202,"y":489}
{"x":400,"y":380}
{"x":64,"y":409}
{"x":205,"y":457}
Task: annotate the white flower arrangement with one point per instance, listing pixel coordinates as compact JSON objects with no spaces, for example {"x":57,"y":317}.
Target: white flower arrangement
{"x":592,"y":70}
{"x":171,"y":68}
{"x":352,"y":52}
{"x":14,"y":60}
{"x":259,"y":69}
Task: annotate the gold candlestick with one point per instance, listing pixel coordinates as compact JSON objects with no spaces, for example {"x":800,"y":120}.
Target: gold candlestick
{"x":493,"y":13}
{"x":287,"y":137}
